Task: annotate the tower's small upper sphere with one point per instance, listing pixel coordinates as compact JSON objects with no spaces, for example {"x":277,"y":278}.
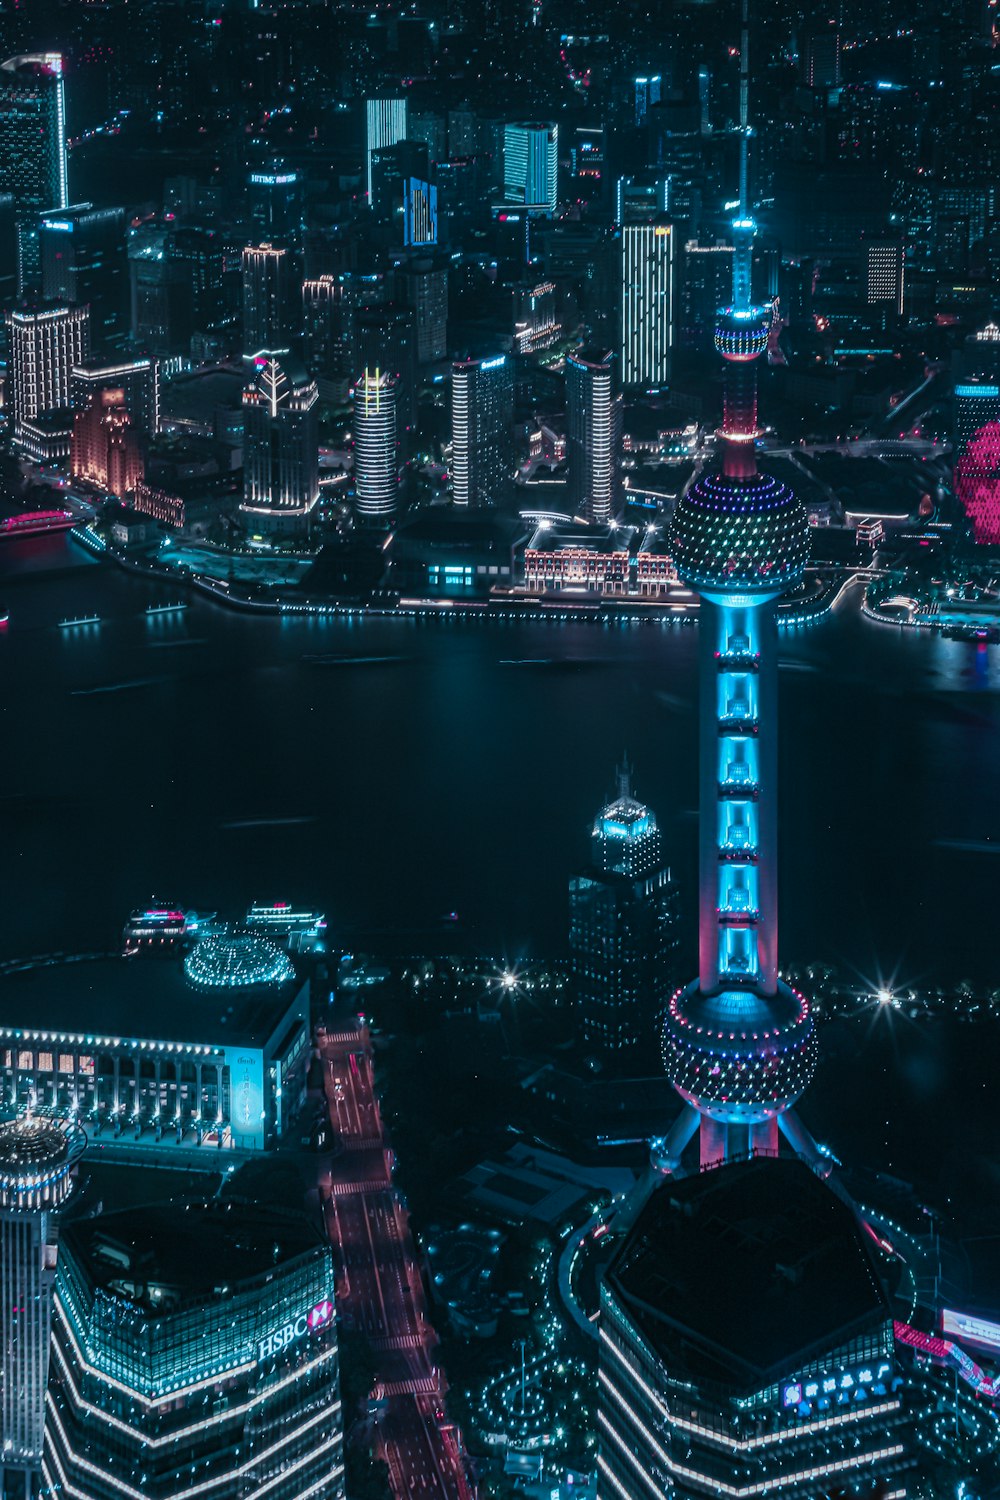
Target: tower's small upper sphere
{"x":742,"y":333}
{"x":744,"y":536}
{"x":739,"y":1056}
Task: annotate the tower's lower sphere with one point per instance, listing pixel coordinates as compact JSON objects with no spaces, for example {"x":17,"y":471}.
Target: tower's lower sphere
{"x":744,"y":536}
{"x":739,"y":1057}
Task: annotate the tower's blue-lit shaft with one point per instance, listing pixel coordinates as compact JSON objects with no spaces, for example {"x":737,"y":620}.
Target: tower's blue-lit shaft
{"x":739,"y":1045}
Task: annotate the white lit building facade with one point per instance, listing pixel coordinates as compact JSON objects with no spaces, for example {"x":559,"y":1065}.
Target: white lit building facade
{"x":482,"y":410}
{"x":647,"y":302}
{"x":43,"y":346}
{"x":376,"y":449}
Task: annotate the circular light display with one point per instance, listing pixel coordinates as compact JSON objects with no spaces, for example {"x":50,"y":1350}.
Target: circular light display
{"x":744,"y":535}
{"x":237,"y":963}
{"x":739,"y":1056}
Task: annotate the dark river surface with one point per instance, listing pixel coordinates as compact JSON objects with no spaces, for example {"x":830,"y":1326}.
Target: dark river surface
{"x":394,"y":771}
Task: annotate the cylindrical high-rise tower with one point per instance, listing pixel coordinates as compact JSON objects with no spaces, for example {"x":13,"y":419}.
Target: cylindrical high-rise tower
{"x":37,"y":1157}
{"x":376,"y":449}
{"x":738,"y":1044}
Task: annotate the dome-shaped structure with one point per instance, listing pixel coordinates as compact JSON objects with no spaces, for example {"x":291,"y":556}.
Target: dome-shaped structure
{"x":237,"y":961}
{"x":740,"y":536}
{"x":739,"y":1056}
{"x":36,"y":1158}
{"x":742,"y":333}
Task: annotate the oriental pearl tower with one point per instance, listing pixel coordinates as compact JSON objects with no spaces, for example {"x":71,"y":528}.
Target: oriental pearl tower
{"x":739,"y":1045}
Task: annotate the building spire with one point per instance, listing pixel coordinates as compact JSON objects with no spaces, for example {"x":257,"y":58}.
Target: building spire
{"x":624,"y":776}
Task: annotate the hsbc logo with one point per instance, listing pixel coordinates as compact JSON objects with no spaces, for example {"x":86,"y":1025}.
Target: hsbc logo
{"x":296,"y":1328}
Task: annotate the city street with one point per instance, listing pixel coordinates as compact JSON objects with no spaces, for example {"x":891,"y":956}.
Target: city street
{"x":379,"y":1292}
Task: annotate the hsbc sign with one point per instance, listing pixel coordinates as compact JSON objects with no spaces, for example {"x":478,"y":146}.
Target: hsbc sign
{"x":296,"y":1328}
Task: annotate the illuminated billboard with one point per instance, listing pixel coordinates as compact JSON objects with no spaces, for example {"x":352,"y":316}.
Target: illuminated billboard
{"x":968,"y":1330}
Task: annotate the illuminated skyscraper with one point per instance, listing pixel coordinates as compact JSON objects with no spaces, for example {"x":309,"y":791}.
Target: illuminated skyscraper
{"x":271,"y":300}
{"x":593,"y":435}
{"x":385,"y":121}
{"x":420,"y":213}
{"x":977,"y":456}
{"x":530,"y":165}
{"x":739,"y":1045}
{"x":33,"y":148}
{"x":647,"y":92}
{"x":747,"y":1348}
{"x":37,"y":1158}
{"x":623,"y":933}
{"x":376,"y":449}
{"x":885,"y":269}
{"x":482,"y":410}
{"x":43,"y":345}
{"x":280,"y":446}
{"x":647,"y":305}
{"x":158,"y":1374}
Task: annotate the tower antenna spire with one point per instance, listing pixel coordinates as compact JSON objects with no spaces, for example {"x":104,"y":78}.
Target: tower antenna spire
{"x":743,"y":225}
{"x":744,"y":108}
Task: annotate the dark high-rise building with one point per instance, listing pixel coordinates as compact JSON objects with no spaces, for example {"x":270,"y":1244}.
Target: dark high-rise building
{"x":623,"y":934}
{"x":44,"y":344}
{"x":392,"y":168}
{"x":138,"y":378}
{"x":482,"y":411}
{"x":33,"y":148}
{"x":327,"y":329}
{"x":84,"y":260}
{"x":272,"y":300}
{"x":159,"y":1378}
{"x":747,"y":1348}
{"x":276,"y":204}
{"x":423,"y":285}
{"x":593,"y":435}
{"x":202,"y":254}
{"x":160,"y":289}
{"x":385,"y":338}
{"x":822,"y":59}
{"x":280,"y":446}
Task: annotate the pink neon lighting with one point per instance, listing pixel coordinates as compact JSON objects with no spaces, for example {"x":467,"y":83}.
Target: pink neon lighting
{"x":977,"y":482}
{"x":948,"y":1353}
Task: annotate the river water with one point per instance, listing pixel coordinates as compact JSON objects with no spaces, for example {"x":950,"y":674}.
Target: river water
{"x":395,"y":771}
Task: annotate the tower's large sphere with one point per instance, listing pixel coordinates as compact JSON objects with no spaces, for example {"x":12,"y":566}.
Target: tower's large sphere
{"x":739,"y":1056}
{"x":740,"y":536}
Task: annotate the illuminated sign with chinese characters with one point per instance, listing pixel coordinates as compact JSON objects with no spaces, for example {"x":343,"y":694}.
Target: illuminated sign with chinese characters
{"x":835,"y":1387}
